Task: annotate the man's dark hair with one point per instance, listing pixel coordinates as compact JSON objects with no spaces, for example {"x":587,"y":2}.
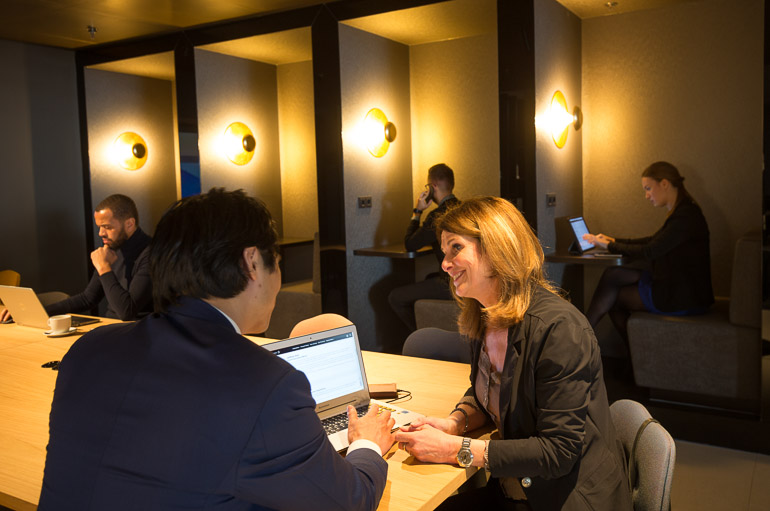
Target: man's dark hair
{"x":122,"y":207}
{"x":442,"y":172}
{"x":197,"y":249}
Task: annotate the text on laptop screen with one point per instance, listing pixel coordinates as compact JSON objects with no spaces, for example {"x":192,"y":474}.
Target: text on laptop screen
{"x":579,"y":228}
{"x":330,"y":365}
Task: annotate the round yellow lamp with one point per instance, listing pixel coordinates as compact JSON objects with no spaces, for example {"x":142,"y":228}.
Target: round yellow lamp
{"x":239,"y":143}
{"x":560,"y":119}
{"x":378,"y":132}
{"x":129,"y":151}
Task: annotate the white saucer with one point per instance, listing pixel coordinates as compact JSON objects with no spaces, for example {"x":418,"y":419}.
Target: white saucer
{"x":71,"y":331}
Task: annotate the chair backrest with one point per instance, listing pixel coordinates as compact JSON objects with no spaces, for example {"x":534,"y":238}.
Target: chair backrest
{"x":746,"y":282}
{"x":9,"y":278}
{"x":651,"y":454}
{"x":319,"y":324}
{"x":51,"y":297}
{"x":437,"y":344}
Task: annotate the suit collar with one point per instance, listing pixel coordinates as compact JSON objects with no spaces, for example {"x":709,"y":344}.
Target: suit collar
{"x":200,"y":310}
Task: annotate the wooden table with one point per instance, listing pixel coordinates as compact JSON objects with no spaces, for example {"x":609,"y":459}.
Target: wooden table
{"x":26,"y":391}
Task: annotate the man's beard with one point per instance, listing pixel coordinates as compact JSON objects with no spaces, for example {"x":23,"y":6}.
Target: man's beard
{"x":118,"y":242}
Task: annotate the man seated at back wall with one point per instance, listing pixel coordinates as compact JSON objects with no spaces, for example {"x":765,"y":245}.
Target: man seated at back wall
{"x":441,"y":182}
{"x":122,"y":273}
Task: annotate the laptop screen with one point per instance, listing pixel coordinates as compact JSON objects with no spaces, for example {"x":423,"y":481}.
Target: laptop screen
{"x":331,"y":364}
{"x":579,"y":228}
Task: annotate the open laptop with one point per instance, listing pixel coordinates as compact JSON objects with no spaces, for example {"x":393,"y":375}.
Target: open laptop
{"x":333,"y":365}
{"x":26,"y":309}
{"x":579,"y":245}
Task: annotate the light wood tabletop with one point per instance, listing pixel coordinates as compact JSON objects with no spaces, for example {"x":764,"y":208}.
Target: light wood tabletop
{"x":26,"y":391}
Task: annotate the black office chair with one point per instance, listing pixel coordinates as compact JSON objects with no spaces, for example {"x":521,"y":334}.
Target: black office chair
{"x":437,"y":344}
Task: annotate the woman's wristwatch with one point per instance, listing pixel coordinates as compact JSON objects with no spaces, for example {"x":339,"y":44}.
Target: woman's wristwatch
{"x":464,"y":455}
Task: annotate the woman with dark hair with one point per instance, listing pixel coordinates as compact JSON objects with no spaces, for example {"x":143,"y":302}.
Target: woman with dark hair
{"x":679,"y":280}
{"x":536,"y":375}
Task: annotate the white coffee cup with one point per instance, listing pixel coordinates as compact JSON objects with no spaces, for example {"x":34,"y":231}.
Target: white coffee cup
{"x":60,"y":324}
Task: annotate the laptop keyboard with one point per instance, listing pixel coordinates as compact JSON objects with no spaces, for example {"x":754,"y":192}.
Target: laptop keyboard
{"x":339,"y":422}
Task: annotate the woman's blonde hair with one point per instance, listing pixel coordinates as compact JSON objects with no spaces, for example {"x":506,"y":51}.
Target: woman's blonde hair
{"x":514,"y":255}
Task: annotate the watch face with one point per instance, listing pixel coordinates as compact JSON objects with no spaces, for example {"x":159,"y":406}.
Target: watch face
{"x":465,"y":457}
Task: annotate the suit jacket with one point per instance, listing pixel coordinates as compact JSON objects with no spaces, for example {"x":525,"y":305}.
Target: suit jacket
{"x":178,"y":411}
{"x":555,"y":419}
{"x":679,"y":254}
{"x":127,"y":287}
{"x":417,"y":236}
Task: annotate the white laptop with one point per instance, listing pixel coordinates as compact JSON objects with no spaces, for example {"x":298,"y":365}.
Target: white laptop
{"x":26,"y":309}
{"x":333,"y":365}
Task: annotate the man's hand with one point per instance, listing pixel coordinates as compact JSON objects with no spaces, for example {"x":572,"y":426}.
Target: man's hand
{"x":422,"y":202}
{"x":5,"y":316}
{"x":372,"y":426}
{"x":103,"y":259}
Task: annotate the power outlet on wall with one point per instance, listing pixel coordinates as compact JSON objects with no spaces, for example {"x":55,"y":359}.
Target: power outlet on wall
{"x":365,"y":201}
{"x":550,"y":200}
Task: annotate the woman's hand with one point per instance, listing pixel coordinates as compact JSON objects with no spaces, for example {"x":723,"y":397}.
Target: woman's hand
{"x":429,"y":444}
{"x":448,"y":425}
{"x":601,"y":240}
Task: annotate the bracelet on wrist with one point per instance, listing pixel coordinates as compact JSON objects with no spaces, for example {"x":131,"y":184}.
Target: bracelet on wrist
{"x":467,"y":419}
{"x":417,"y":211}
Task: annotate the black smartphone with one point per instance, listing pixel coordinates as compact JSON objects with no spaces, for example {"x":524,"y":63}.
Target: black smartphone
{"x":429,"y":197}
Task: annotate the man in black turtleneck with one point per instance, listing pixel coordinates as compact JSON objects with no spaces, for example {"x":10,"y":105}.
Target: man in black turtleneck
{"x":122,"y":267}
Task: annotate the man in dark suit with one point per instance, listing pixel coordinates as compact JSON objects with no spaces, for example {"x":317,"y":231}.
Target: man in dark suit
{"x":179,"y":410}
{"x":441,"y":182}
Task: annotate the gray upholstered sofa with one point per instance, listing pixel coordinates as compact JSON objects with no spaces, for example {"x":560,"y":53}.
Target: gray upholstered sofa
{"x":717,"y":354}
{"x":297,"y":300}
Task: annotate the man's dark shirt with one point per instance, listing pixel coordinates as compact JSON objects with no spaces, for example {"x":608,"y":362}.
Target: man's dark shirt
{"x":127,"y":287}
{"x":417,"y":236}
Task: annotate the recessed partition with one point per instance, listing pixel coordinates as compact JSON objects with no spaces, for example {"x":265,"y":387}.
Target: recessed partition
{"x":134,"y":96}
{"x":432,"y":70}
{"x":266,"y":83}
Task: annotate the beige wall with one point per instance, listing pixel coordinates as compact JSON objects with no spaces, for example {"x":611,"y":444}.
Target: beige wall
{"x":683,"y":84}
{"x":559,"y":171}
{"x":296,"y":125}
{"x":116,"y":103}
{"x":231,"y":89}
{"x":455,"y":113}
{"x":374,"y":72}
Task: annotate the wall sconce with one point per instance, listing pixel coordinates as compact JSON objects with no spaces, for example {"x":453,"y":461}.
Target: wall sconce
{"x":238,"y":143}
{"x":129,"y":151}
{"x":378,"y":132}
{"x":559,"y":119}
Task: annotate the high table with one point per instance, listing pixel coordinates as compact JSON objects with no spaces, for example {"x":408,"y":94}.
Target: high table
{"x":26,"y":391}
{"x":576,"y":284}
{"x":396,"y":251}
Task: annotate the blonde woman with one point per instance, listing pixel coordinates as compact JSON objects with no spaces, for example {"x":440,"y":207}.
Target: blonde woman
{"x":536,"y":375}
